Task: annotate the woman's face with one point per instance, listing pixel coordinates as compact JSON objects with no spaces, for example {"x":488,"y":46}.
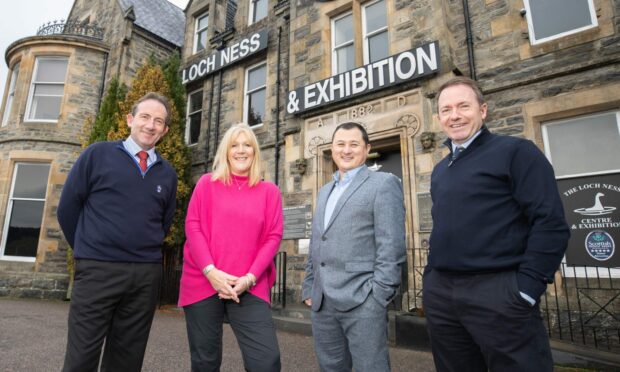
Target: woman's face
{"x":241,"y":155}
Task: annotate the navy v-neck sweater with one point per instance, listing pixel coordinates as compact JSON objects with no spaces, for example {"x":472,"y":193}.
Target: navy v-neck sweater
{"x":110,"y":211}
{"x":496,"y":208}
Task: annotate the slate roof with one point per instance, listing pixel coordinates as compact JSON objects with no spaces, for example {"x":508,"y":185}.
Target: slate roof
{"x":159,"y":17}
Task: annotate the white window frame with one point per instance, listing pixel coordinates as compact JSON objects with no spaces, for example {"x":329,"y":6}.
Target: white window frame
{"x":530,"y":24}
{"x":367,"y":35}
{"x":9,"y":211}
{"x":588,"y":271}
{"x":190,"y":113}
{"x":33,"y":85}
{"x":246,"y":92}
{"x":8,"y":106}
{"x":198,"y":31}
{"x":333,"y":41}
{"x":252,"y":9}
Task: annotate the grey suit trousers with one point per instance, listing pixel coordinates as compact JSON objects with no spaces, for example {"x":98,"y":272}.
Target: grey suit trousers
{"x":342,"y":339}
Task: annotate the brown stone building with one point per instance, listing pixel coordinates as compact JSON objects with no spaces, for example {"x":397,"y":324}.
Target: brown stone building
{"x":550,"y":72}
{"x":56,"y":80}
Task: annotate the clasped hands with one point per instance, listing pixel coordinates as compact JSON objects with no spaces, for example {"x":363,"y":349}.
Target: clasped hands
{"x":230,"y":287}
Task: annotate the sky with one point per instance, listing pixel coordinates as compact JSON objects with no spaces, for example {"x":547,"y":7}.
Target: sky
{"x":21,"y":18}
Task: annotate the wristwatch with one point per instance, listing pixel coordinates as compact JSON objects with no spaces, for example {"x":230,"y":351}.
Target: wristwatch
{"x":208,"y":269}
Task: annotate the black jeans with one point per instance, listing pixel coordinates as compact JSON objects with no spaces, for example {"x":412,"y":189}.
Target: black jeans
{"x":480,"y":322}
{"x":115,"y":301}
{"x":252,"y":324}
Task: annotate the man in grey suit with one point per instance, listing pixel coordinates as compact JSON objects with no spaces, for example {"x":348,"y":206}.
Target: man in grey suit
{"x":353,"y":269}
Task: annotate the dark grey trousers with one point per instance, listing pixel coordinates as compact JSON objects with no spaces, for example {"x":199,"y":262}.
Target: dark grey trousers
{"x":115,"y":301}
{"x":481,"y":322}
{"x":352,"y":339}
{"x":250,"y":320}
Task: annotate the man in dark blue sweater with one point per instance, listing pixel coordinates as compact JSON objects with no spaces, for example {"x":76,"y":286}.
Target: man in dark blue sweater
{"x":115,"y":210}
{"x":499,"y":235}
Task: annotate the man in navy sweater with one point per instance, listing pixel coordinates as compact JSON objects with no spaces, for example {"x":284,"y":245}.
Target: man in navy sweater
{"x":499,"y":235}
{"x":115,"y":210}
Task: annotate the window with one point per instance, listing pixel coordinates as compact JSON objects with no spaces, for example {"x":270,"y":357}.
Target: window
{"x":552,"y":19}
{"x":569,"y":144}
{"x":47,"y":88}
{"x":343,"y":49}
{"x":194,"y":117}
{"x":374,"y":38}
{"x":9,"y":97}
{"x":255,"y":94}
{"x":258,"y":10}
{"x":24,"y":212}
{"x":374,"y":22}
{"x":200,"y":32}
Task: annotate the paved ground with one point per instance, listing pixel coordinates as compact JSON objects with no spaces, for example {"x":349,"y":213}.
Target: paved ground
{"x":33,"y":337}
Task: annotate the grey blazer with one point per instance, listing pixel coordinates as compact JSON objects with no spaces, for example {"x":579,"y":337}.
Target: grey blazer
{"x":360,"y":251}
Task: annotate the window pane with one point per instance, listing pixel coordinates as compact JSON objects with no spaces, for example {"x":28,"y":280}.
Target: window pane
{"x":201,"y":40}
{"x":378,"y":47}
{"x":551,"y":17}
{"x":195,"y":101}
{"x":346,"y":58}
{"x":7,"y":109}
{"x":45,"y":107}
{"x":256,"y":107}
{"x":343,"y":30}
{"x":260,"y":10}
{"x":24,"y":228}
{"x":585,"y":145}
{"x":31,"y":181}
{"x":194,"y":127}
{"x":376,"y":16}
{"x":203,"y":22}
{"x":256,"y":77}
{"x":51,"y":70}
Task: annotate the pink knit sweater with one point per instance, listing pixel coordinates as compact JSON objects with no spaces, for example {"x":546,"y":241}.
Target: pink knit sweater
{"x":238,"y":229}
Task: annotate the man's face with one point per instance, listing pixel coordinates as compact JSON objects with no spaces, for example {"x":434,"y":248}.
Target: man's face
{"x":349,"y":150}
{"x":149,"y":124}
{"x":460,"y":114}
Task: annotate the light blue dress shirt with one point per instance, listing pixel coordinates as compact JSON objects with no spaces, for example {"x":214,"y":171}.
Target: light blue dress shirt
{"x":339,"y":188}
{"x":132,"y":147}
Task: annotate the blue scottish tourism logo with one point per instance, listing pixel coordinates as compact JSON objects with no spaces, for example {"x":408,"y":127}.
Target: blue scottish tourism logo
{"x":600,"y":245}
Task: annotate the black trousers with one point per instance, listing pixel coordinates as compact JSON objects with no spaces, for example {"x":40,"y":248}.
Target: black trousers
{"x":481,"y":322}
{"x":114,"y":301}
{"x":252,"y":324}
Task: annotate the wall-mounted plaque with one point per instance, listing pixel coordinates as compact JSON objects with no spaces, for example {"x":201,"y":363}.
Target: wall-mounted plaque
{"x":297,"y":222}
{"x":424,"y":211}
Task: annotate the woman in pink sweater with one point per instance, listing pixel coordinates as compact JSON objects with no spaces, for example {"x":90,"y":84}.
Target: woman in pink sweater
{"x":233,"y":229}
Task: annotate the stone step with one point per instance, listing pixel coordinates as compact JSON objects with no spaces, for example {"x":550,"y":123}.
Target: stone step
{"x":293,"y":325}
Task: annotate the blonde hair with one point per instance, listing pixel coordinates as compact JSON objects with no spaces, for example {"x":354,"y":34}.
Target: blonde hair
{"x":221,"y":168}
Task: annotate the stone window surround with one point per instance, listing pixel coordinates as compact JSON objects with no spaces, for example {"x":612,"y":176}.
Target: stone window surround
{"x":198,"y":31}
{"x":531,"y":31}
{"x":246,"y":93}
{"x":564,"y":106}
{"x":190,"y":113}
{"x":31,"y":88}
{"x":251,"y":14}
{"x":354,"y":7}
{"x":10,"y":94}
{"x":11,"y":176}
{"x":604,"y":28}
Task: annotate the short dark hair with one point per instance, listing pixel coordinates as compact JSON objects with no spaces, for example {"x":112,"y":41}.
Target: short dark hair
{"x":154,"y":96}
{"x":462,"y":80}
{"x":352,"y":125}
